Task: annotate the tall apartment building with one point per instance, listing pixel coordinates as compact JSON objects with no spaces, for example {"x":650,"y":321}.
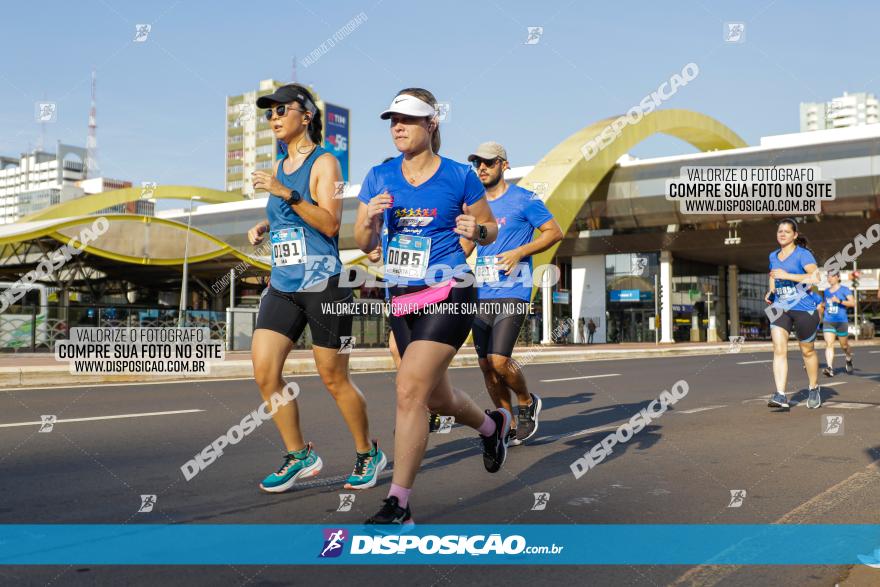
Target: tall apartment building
{"x":844,"y":111}
{"x":251,"y":144}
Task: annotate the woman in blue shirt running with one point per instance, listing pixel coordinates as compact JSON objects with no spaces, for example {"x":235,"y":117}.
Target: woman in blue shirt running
{"x":793,"y":269}
{"x":428,"y":204}
{"x":835,"y":326}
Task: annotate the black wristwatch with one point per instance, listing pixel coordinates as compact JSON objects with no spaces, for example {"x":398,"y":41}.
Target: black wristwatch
{"x":482,"y":235}
{"x":295,"y":197}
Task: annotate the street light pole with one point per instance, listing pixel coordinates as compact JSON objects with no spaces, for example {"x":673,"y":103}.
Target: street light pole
{"x":183,"y":288}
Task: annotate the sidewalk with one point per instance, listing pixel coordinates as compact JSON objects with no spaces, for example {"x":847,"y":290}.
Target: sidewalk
{"x":41,"y":369}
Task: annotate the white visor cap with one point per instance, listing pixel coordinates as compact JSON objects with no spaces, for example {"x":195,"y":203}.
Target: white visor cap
{"x":408,"y":106}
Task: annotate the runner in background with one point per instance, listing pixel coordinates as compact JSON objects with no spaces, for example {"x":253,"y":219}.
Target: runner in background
{"x":838,"y":298}
{"x":303,"y":227}
{"x":504,"y":273}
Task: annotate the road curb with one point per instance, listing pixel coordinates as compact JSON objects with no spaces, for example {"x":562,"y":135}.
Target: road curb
{"x":46,"y":375}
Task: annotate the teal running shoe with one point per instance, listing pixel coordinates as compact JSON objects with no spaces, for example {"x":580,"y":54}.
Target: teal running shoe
{"x":367,"y":468}
{"x":297,"y":465}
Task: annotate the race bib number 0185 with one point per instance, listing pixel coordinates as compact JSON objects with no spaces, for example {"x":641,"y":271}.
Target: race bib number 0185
{"x":288,"y":247}
{"x":408,"y":256}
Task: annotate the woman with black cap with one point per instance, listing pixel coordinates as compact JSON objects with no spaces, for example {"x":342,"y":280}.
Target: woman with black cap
{"x":303,"y":228}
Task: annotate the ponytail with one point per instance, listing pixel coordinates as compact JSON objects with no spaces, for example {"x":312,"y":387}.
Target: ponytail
{"x":316,"y":123}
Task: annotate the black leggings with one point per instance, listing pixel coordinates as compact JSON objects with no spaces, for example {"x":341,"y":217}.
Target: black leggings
{"x":450,"y":328}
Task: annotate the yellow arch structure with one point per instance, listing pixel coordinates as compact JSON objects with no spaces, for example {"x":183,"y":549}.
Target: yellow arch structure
{"x":570,"y":178}
{"x":129,"y":235}
{"x":94,"y":202}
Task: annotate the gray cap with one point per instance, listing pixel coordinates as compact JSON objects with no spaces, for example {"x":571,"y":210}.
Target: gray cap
{"x":490,"y":150}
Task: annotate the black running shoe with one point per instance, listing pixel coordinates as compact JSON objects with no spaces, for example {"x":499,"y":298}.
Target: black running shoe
{"x":849,"y":365}
{"x":391,"y":513}
{"x":433,"y":422}
{"x":527,"y":419}
{"x":495,"y":445}
{"x":828,"y":372}
{"x":511,"y":438}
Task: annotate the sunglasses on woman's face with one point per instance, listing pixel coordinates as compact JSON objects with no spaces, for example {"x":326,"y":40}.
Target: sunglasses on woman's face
{"x":280,"y":110}
{"x":490,"y":163}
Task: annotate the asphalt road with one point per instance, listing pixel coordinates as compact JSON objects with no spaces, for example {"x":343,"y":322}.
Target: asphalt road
{"x":680,"y":469}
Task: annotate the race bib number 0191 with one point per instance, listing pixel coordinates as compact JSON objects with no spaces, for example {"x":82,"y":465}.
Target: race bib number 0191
{"x":288,"y":247}
{"x":487,"y":270}
{"x":408,"y":256}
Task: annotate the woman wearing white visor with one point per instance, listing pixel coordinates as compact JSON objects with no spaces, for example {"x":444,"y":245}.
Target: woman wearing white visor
{"x":429,"y":204}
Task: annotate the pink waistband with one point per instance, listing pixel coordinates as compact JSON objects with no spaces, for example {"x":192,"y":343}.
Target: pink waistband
{"x":413,"y":302}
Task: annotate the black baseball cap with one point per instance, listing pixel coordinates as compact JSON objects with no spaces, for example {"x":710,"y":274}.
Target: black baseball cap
{"x":286,"y":95}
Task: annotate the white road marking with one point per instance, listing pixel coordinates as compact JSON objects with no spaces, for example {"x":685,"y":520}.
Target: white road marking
{"x":92,"y":419}
{"x":847,"y":405}
{"x":584,"y":377}
{"x":555,"y":437}
{"x":696,"y":410}
{"x":754,"y":362}
{"x":833,"y":383}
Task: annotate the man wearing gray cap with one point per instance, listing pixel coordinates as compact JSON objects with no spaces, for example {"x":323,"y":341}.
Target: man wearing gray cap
{"x":503,"y":271}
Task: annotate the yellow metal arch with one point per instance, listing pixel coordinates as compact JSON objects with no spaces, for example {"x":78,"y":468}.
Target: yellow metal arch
{"x":570,"y":178}
{"x":54,"y":230}
{"x":94,"y":202}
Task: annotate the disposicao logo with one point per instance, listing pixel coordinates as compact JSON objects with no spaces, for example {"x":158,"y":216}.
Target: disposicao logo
{"x":334,"y":541}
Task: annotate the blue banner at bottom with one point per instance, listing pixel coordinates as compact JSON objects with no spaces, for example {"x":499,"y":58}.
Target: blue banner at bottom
{"x":571,"y":544}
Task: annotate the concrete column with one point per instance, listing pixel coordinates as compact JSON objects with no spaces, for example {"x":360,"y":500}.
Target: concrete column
{"x":666,"y":298}
{"x":547,"y":307}
{"x":733,"y":298}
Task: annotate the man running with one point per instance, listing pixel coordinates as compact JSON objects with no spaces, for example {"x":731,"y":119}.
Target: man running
{"x":504,"y":270}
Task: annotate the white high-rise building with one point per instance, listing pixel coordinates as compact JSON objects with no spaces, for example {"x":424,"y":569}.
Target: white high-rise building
{"x":39,"y":179}
{"x":844,"y":111}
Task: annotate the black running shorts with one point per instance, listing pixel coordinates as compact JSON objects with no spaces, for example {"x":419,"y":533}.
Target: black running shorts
{"x":449,"y":327}
{"x":802,"y":322}
{"x":497,"y":325}
{"x":288,"y":313}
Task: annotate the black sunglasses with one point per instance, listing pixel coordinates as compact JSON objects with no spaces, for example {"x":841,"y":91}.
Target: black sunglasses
{"x":490,"y":163}
{"x":280,"y":110}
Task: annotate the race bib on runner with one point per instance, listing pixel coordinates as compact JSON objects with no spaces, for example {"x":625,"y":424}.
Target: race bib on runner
{"x":832,"y":308}
{"x":288,"y":247}
{"x":408,"y":256}
{"x":786,"y":291}
{"x":487,"y":270}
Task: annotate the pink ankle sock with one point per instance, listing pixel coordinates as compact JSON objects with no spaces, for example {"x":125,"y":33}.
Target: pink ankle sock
{"x":401,"y":493}
{"x":487,"y":428}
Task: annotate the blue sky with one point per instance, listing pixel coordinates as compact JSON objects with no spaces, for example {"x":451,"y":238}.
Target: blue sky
{"x":161,"y":103}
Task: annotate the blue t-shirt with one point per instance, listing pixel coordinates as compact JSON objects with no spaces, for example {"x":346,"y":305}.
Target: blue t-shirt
{"x":302,"y":256}
{"x":422,"y":219}
{"x":518,"y":213}
{"x":788,"y":294}
{"x":834,"y":311}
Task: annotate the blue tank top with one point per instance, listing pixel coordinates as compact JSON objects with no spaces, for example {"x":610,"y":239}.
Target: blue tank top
{"x":302,"y":257}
